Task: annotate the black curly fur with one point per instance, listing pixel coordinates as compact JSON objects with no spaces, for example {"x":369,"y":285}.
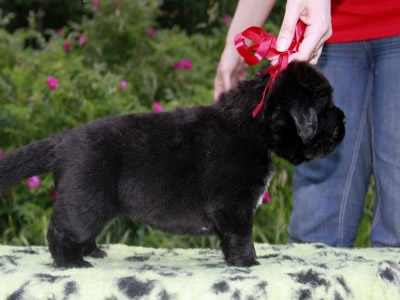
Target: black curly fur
{"x":197,"y":170}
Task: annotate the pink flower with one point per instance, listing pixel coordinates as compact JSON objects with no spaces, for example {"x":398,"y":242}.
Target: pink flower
{"x":227,"y":20}
{"x":217,"y":64}
{"x":33,"y":182}
{"x":82,"y":40}
{"x":152,"y":32}
{"x":1,"y":153}
{"x":67,"y":46}
{"x":266,"y":198}
{"x":53,"y":194}
{"x":157,"y":107}
{"x":96,"y":4}
{"x":183,"y":64}
{"x":59,"y":32}
{"x":123,"y":84}
{"x":52,"y":82}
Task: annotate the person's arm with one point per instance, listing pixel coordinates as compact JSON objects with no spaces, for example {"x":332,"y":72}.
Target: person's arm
{"x":231,"y":66}
{"x":316,"y":14}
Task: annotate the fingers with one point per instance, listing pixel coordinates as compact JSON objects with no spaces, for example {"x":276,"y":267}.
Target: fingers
{"x":231,"y":70}
{"x":218,"y":88}
{"x":314,"y":37}
{"x":315,"y":58}
{"x":292,"y":15}
{"x":316,"y":15}
{"x":222,"y":82}
{"x":227,"y":79}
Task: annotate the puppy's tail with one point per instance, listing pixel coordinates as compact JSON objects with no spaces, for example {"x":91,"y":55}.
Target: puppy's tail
{"x":27,"y":161}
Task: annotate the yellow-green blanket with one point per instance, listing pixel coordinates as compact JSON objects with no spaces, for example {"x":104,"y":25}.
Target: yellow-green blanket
{"x":297,"y":271}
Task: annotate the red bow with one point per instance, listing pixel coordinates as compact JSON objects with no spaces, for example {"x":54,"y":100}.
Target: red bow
{"x":265,"y":46}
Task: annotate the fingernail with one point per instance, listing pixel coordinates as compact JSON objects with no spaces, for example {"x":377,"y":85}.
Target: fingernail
{"x":282,"y":44}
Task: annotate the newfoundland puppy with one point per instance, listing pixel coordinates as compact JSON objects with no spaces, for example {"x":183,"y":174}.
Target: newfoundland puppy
{"x":198,"y":170}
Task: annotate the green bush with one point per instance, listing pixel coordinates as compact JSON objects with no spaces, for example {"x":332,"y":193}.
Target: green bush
{"x":47,"y":13}
{"x":109,"y":45}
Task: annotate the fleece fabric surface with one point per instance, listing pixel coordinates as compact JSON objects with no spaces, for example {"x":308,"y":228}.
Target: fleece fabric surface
{"x":293,"y":271}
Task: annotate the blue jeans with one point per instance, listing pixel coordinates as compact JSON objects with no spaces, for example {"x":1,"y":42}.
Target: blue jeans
{"x":329,"y":194}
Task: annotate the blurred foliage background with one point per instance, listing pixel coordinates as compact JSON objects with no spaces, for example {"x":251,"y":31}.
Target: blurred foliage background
{"x":112,"y":57}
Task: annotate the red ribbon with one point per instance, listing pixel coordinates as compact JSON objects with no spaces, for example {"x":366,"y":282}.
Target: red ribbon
{"x":265,"y":46}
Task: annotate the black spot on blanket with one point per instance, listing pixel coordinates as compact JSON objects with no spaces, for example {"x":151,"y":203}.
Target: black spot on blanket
{"x":387,"y":274}
{"x":132,"y":287}
{"x":260,"y":289}
{"x":236,"y":295}
{"x":322,"y":266}
{"x":11,"y":259}
{"x":163,"y":295}
{"x":338,"y":297}
{"x":213,"y":266}
{"x":310,"y":277}
{"x":342,"y":282}
{"x":25,"y":251}
{"x":156,"y":268}
{"x":295,"y":259}
{"x":138,"y":258}
{"x":147,"y":267}
{"x":305,"y":295}
{"x":241,"y":278}
{"x":261,"y":286}
{"x":70,"y":288}
{"x":49,"y":278}
{"x":167,"y":274}
{"x":280,"y":247}
{"x":18,"y":294}
{"x":239,"y":270}
{"x":220,"y":287}
{"x":287,"y":257}
{"x":268,"y":256}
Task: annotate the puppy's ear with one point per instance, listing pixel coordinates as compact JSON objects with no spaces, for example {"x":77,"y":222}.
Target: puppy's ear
{"x":306,"y":121}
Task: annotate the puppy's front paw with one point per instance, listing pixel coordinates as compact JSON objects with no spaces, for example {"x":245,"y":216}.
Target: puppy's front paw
{"x":94,"y":251}
{"x":97,"y":253}
{"x":74,"y":264}
{"x":243,"y":262}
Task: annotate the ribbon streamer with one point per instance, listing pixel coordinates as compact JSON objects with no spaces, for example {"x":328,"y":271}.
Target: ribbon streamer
{"x":265,"y":46}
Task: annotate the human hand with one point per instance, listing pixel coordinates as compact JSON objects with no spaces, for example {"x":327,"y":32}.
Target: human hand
{"x":316,"y":14}
{"x":231,"y":69}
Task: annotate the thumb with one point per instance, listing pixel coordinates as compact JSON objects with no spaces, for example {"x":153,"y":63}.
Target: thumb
{"x":292,"y":15}
{"x":226,"y":79}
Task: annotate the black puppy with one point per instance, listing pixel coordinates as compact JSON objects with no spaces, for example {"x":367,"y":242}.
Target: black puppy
{"x":198,"y":170}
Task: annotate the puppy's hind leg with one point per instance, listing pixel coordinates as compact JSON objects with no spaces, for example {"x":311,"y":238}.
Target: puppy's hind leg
{"x":66,"y":252}
{"x":79,"y":214}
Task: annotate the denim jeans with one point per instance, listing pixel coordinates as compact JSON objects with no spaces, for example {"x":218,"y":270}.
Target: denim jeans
{"x":329,"y":194}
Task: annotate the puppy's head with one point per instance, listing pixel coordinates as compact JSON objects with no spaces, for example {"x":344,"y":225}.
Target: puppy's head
{"x":301,"y":116}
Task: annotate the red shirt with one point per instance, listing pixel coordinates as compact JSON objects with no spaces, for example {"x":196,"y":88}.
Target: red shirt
{"x":356,"y":20}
